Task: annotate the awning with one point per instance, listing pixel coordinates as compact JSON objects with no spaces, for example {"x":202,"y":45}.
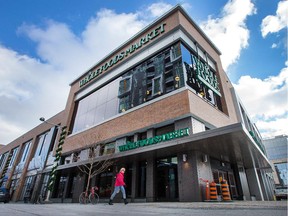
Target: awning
{"x":232,"y":143}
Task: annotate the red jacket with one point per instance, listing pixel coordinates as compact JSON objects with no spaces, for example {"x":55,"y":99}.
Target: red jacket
{"x":120,"y":179}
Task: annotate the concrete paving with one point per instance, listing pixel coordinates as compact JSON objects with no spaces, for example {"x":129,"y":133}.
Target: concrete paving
{"x":235,"y":208}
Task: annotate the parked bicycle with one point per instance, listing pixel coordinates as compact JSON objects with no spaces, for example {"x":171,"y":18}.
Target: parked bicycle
{"x":89,"y":197}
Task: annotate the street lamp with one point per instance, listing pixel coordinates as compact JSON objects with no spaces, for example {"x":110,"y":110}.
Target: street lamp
{"x":44,"y":120}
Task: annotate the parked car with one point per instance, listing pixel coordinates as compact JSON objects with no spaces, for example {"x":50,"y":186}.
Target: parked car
{"x":4,"y":195}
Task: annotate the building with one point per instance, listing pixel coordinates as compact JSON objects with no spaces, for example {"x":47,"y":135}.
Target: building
{"x":159,"y":105}
{"x":277,"y":153}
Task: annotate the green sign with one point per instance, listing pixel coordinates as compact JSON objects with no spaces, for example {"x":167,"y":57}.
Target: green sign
{"x":206,"y":76}
{"x":120,"y":56}
{"x":154,"y":140}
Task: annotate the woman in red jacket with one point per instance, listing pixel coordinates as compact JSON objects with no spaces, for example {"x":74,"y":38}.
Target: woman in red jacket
{"x":119,"y":185}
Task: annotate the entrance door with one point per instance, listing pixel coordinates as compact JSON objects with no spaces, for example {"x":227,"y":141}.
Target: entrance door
{"x":229,"y":177}
{"x":167,"y":179}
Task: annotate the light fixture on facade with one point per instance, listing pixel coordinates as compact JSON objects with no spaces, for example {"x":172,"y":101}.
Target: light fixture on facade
{"x":205,"y":158}
{"x":184,"y":157}
{"x":201,"y":92}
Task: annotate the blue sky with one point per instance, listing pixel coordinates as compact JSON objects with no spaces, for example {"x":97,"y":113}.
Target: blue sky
{"x":45,"y":45}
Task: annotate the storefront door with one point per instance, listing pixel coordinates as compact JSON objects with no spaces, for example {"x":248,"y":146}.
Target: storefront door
{"x":167,"y":179}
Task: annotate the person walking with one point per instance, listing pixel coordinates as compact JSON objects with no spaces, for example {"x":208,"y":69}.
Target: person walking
{"x":119,"y":185}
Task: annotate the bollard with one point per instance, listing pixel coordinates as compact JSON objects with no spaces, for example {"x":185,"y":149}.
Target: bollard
{"x":207,"y":188}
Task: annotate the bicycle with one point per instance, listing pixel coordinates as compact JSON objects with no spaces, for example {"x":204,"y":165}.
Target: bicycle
{"x":91,"y":197}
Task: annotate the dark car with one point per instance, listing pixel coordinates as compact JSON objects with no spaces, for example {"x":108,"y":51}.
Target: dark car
{"x":4,"y":195}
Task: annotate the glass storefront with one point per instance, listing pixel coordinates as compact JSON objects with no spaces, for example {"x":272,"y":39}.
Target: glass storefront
{"x":104,"y":183}
{"x":142,"y":179}
{"x":28,"y":188}
{"x":167,"y":179}
{"x":223,"y":171}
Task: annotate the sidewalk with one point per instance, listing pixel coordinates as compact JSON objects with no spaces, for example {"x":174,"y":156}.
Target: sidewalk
{"x":235,"y":208}
{"x":220,"y":205}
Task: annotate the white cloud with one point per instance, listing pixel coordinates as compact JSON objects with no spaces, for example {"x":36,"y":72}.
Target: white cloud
{"x":28,"y":85}
{"x":229,"y":32}
{"x":158,"y":9}
{"x":266,"y":102}
{"x":274,"y":46}
{"x":273,"y":128}
{"x":273,"y":24}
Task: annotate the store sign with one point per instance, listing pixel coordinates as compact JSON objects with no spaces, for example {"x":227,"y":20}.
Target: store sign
{"x":120,"y":56}
{"x":206,"y":76}
{"x":154,"y":140}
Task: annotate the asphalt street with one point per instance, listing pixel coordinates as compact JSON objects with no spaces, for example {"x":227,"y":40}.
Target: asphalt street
{"x":237,"y":208}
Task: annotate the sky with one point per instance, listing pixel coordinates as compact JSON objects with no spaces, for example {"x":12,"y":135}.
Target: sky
{"x":47,"y":44}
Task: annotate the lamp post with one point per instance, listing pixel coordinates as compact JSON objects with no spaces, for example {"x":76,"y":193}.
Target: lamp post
{"x":57,"y":157}
{"x":44,"y":120}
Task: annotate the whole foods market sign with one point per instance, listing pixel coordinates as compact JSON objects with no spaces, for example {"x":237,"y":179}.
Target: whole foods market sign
{"x":206,"y":76}
{"x":120,"y":56}
{"x":154,"y":140}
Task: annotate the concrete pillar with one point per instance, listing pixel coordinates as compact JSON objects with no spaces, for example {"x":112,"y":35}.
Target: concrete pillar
{"x":185,"y":175}
{"x":253,"y":180}
{"x":134,"y":180}
{"x":150,"y":180}
{"x":188,"y":177}
{"x":254,"y":184}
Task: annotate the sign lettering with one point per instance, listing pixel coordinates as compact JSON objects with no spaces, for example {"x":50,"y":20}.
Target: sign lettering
{"x":120,"y":56}
{"x":206,"y":76}
{"x":154,"y":140}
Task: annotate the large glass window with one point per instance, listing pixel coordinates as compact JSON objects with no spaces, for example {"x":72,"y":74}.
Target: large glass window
{"x":28,"y":188}
{"x":201,"y":75}
{"x":109,"y":148}
{"x":25,"y":151}
{"x":282,"y":173}
{"x":158,"y":75}
{"x":157,"y":86}
{"x":42,"y":141}
{"x":3,"y":159}
{"x":14,"y":153}
{"x":98,"y":106}
{"x":125,"y":86}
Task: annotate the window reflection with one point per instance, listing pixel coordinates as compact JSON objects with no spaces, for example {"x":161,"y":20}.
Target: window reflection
{"x":158,"y":75}
{"x":282,"y":173}
{"x":201,"y":75}
{"x":165,"y":72}
{"x":97,"y":107}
